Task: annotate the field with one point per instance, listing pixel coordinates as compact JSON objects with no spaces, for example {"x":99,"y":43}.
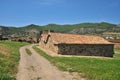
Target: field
{"x":90,"y":68}
{"x":9,"y":57}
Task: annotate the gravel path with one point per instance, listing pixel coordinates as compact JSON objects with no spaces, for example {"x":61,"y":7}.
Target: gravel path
{"x":36,"y":67}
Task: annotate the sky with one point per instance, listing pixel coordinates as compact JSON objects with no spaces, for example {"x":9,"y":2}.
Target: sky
{"x":19,"y":13}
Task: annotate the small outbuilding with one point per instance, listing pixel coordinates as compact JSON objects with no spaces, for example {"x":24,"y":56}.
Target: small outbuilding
{"x":71,"y":44}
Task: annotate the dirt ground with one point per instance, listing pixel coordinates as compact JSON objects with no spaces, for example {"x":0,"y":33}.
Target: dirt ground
{"x":36,"y":67}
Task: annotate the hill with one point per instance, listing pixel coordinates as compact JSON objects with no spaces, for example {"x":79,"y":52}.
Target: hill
{"x":82,"y":28}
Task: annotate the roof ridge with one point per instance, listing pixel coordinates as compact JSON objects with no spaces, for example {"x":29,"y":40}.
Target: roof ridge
{"x":77,"y":39}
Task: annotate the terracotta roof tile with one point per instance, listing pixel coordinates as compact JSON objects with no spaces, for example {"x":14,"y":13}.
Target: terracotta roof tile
{"x":77,"y":39}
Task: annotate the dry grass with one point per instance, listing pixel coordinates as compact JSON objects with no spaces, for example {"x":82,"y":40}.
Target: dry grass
{"x":4,"y":49}
{"x":28,"y":52}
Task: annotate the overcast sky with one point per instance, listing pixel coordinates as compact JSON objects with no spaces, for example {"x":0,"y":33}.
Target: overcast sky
{"x":41,"y":12}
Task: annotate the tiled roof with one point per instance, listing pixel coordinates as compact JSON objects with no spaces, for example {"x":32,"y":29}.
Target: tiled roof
{"x":77,"y":39}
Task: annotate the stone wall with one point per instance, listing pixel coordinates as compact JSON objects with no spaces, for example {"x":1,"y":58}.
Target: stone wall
{"x":105,"y":50}
{"x":48,"y":45}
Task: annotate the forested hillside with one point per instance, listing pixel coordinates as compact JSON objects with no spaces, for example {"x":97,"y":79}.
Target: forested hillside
{"x":82,"y":28}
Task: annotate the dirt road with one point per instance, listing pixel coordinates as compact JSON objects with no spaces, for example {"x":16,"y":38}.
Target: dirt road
{"x":36,"y":67}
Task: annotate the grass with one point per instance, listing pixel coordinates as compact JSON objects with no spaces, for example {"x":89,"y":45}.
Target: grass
{"x":117,"y":53}
{"x":28,"y":52}
{"x":117,"y":50}
{"x":9,"y":61}
{"x":91,"y":68}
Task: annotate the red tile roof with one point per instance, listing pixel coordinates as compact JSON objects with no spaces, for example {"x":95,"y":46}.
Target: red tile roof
{"x":77,"y":39}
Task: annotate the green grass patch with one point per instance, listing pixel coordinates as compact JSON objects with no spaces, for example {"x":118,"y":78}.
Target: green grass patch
{"x":91,"y":68}
{"x":117,"y":56}
{"x":9,"y":62}
{"x":117,"y":50}
{"x":117,"y":53}
{"x":28,"y":52}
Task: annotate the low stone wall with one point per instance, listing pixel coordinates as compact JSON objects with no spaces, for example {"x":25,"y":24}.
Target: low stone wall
{"x":105,"y":50}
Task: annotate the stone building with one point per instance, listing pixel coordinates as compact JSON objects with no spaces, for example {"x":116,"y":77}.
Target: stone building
{"x":70,"y":44}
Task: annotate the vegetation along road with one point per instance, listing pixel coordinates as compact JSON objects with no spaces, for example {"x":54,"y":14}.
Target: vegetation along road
{"x":29,"y":65}
{"x":9,"y":58}
{"x":32,"y":66}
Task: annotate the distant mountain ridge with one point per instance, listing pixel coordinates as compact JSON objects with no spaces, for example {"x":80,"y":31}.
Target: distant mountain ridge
{"x":82,"y":28}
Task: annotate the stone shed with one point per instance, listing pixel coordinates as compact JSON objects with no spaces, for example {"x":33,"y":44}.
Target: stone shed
{"x":71,"y":44}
